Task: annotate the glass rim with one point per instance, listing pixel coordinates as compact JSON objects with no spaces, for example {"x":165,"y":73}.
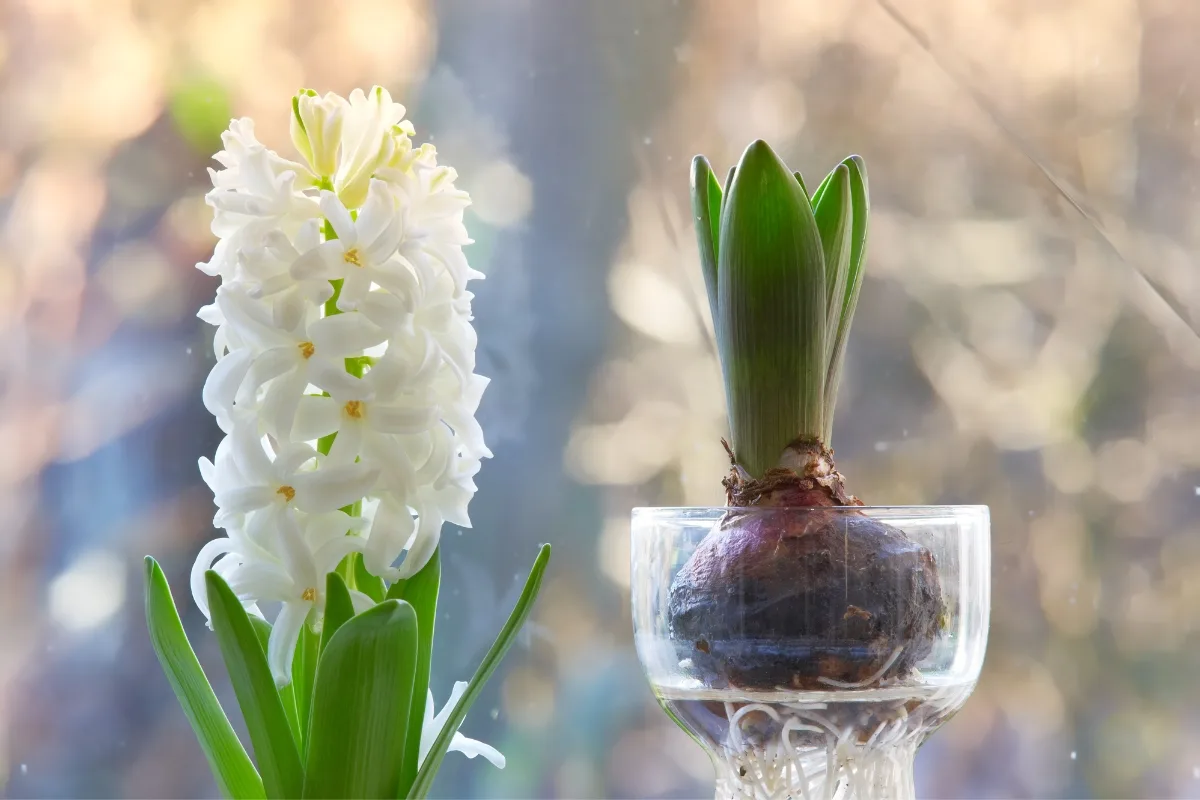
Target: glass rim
{"x":928,"y":509}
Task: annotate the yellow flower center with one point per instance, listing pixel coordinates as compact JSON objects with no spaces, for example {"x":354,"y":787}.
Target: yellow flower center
{"x":289,"y":494}
{"x":354,"y":409}
{"x":351,"y":257}
{"x":306,"y":349}
{"x":309,"y":595}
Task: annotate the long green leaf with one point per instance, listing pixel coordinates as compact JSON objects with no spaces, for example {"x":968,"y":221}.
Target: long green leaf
{"x":771,"y":326}
{"x":821,"y":187}
{"x":706,"y":214}
{"x":274,"y":746}
{"x":287,"y":696}
{"x":800,"y":180}
{"x":835,"y":220}
{"x":861,"y":202}
{"x":520,"y":612}
{"x":361,"y":706}
{"x":304,"y":672}
{"x":339,"y":608}
{"x":421,"y":592}
{"x":232,"y":768}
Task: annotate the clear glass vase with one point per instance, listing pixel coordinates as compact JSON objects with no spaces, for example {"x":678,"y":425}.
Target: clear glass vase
{"x":811,"y":651}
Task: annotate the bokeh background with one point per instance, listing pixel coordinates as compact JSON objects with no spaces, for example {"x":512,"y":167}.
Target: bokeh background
{"x":1026,"y":339}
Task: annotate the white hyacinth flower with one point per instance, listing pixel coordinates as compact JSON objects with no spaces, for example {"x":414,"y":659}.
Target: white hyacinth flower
{"x":432,"y":727}
{"x":345,"y":359}
{"x":365,"y":250}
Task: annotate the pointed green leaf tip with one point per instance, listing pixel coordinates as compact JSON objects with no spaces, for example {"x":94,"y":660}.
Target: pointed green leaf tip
{"x":706,"y":208}
{"x":783,"y":274}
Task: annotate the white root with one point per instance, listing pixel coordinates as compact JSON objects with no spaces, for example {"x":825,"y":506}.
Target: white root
{"x":800,"y":751}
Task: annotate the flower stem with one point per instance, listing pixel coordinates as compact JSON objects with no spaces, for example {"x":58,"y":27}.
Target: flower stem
{"x":354,"y":365}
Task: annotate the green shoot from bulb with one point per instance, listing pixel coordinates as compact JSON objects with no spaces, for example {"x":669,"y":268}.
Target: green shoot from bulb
{"x":783,"y":270}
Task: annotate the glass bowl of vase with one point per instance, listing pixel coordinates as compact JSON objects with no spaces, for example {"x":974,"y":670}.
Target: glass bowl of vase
{"x":826,"y":688}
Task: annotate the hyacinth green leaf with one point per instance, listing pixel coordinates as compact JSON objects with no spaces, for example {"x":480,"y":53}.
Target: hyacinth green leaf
{"x":361,"y":706}
{"x":821,"y":187}
{"x":706,"y":214}
{"x":339,"y":608}
{"x":520,"y":612}
{"x":728,"y":182}
{"x":286,"y":696}
{"x":835,"y":219}
{"x":771,"y":326}
{"x":861,"y":208}
{"x":421,"y":592}
{"x":370,"y":585}
{"x":270,"y":734}
{"x":230,"y":765}
{"x":800,"y":180}
{"x":304,"y":672}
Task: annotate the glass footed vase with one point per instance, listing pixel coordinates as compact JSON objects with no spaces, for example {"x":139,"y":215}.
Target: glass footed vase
{"x":811,"y":651}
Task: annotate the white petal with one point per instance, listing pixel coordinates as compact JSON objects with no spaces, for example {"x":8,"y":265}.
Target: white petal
{"x":401,"y":419}
{"x":222,"y":384}
{"x":211,"y":314}
{"x":244,"y":499}
{"x":473,"y":747}
{"x":309,"y":236}
{"x":249,"y":317}
{"x":315,"y":417}
{"x":429,"y":533}
{"x":322,"y":528}
{"x":354,"y":289}
{"x":395,"y":456}
{"x":385,"y":308}
{"x":333,"y":378}
{"x":344,"y":335}
{"x":292,"y":457}
{"x":288,"y":309}
{"x":262,"y":581}
{"x":392,"y":274}
{"x":330,"y":487}
{"x":431,"y":726}
{"x":273,"y":363}
{"x":207,"y":472}
{"x":280,"y":246}
{"x":453,"y":501}
{"x":298,"y":559}
{"x":456,"y":693}
{"x":339,"y":218}
{"x":440,"y":454}
{"x":323,"y":261}
{"x":204,"y":561}
{"x":376,"y":214}
{"x":348,"y":444}
{"x":279,"y":406}
{"x":387,"y":373}
{"x":391,"y":531}
{"x":388,"y":241}
{"x":247,"y":450}
{"x":331,"y":554}
{"x":281,"y":647}
{"x":470,"y":435}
